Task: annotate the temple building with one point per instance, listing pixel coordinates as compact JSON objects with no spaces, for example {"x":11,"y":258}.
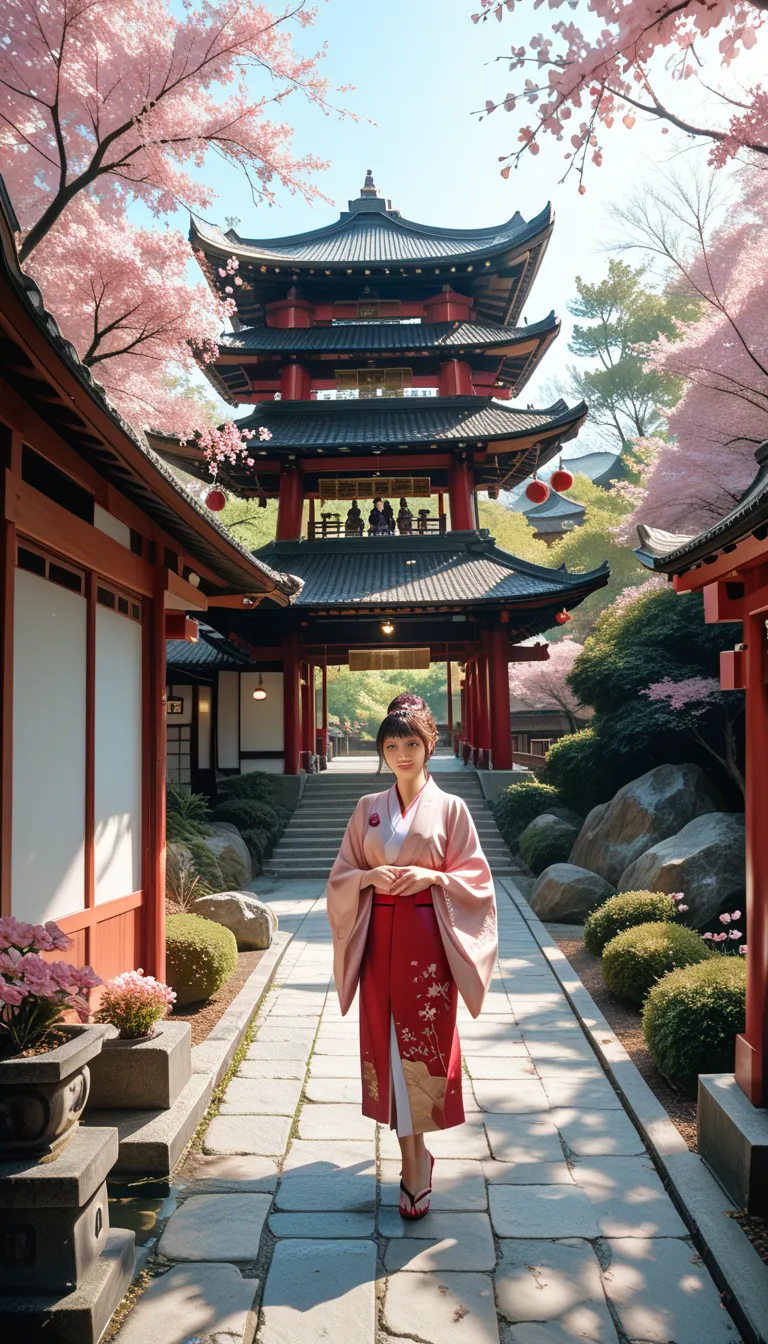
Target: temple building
{"x":379,"y":357}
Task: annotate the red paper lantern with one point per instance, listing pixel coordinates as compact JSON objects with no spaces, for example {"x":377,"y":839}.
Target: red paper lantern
{"x":215,"y":500}
{"x":561,"y":480}
{"x":562,"y":617}
{"x":537,"y":491}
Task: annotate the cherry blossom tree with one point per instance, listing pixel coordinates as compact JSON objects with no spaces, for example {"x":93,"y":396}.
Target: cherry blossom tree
{"x":721,"y":358}
{"x":691,"y":701}
{"x":108,"y":103}
{"x":611,"y":60}
{"x":544,"y":685}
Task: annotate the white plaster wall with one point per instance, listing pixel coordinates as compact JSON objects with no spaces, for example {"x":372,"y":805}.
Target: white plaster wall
{"x":112,"y":526}
{"x":204,"y":726}
{"x":49,"y":668}
{"x":117,"y":776}
{"x":228,"y":721}
{"x":261,"y":721}
{"x":271,"y":766}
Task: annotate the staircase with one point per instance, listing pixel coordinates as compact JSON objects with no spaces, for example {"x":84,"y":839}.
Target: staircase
{"x":310,"y":842}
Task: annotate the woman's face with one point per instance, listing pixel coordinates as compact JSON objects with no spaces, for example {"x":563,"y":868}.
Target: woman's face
{"x":406,"y":756}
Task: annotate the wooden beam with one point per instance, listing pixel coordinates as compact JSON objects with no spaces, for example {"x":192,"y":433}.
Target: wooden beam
{"x":723,"y":601}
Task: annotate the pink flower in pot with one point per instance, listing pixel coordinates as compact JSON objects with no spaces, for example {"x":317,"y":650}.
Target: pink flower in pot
{"x":134,"y":1002}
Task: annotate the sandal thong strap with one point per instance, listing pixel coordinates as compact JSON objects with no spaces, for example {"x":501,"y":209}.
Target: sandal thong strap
{"x":415,"y":1199}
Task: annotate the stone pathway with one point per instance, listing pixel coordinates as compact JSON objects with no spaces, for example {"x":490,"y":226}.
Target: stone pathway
{"x":549,"y":1224}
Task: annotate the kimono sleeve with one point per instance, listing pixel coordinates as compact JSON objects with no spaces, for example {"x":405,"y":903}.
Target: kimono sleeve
{"x":465,"y":902}
{"x":348,"y":901}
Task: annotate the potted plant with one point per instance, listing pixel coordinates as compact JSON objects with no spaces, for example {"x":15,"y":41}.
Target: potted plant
{"x":44,"y":1076}
{"x":148,"y":1063}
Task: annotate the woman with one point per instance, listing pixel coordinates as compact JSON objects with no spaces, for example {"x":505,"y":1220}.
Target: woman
{"x":412,"y":908}
{"x":377,"y":523}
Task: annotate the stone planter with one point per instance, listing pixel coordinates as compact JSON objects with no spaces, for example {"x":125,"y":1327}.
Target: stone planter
{"x":42,"y":1097}
{"x":143,"y":1075}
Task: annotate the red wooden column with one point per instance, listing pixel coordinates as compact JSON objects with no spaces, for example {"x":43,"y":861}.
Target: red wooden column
{"x":323,"y":733}
{"x":290,"y":504}
{"x":477,"y":715}
{"x":308,"y":719}
{"x":752,"y":1047}
{"x":449,"y":693}
{"x":458,"y":749}
{"x":10,"y":459}
{"x":155,"y":690}
{"x":295,"y":383}
{"x":484,"y":744}
{"x":461,"y":490}
{"x":498,"y":652}
{"x":466,"y":749}
{"x":291,"y":745}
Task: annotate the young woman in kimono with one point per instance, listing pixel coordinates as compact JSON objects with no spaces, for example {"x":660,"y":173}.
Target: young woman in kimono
{"x":413,"y":912}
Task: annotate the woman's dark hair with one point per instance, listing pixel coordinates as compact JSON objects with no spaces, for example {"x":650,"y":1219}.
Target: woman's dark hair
{"x":409,"y":721}
{"x":377,"y":500}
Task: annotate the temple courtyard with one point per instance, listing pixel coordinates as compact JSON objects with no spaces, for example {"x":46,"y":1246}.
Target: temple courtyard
{"x":549,"y":1221}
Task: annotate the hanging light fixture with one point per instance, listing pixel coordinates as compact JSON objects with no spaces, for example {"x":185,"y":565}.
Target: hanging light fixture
{"x":561,"y":479}
{"x":387,"y":628}
{"x":260,"y":693}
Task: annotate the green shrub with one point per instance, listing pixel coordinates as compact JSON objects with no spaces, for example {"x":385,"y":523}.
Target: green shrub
{"x":691,"y":1019}
{"x":186,"y":815}
{"x":578,"y":767}
{"x":634,"y":960}
{"x":259,"y":845}
{"x":258,"y":786}
{"x":206,"y":866}
{"x":246,"y":813}
{"x":625,"y":911}
{"x":516,"y":806}
{"x":546,"y":842}
{"x":231,"y":868}
{"x":201,"y":957}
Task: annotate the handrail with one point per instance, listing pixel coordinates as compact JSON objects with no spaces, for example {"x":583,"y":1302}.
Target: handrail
{"x":333,"y":526}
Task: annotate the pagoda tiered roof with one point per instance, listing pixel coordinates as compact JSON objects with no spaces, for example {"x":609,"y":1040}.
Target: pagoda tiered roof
{"x":510,"y":353}
{"x":496,"y":264}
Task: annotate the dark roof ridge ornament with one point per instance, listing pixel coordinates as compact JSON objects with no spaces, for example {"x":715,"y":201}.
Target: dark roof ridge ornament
{"x":369,"y":187}
{"x":369,"y":201}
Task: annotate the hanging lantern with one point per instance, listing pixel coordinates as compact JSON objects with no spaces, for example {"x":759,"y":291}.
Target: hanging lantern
{"x":562,"y":617}
{"x":260,"y":693}
{"x":561,"y":479}
{"x":215,"y":500}
{"x":537,"y":491}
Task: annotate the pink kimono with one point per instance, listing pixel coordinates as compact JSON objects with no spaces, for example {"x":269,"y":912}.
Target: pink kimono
{"x":411,"y":955}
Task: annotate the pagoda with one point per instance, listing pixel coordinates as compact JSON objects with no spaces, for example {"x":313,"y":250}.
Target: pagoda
{"x":381,"y":357}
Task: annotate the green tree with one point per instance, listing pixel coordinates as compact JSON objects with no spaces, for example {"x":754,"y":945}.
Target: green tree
{"x":621,"y":318}
{"x":512,"y":532}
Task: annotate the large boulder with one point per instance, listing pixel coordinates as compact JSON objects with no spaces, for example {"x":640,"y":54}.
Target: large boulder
{"x":705,"y":860}
{"x":645,"y":811}
{"x":565,"y":894}
{"x":251,"y":921}
{"x":226,"y":836}
{"x":546,"y":840}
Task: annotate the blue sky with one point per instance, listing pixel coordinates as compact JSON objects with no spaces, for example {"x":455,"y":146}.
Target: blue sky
{"x":420,"y":68}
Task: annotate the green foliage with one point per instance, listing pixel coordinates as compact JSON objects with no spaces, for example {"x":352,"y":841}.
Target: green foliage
{"x":186,"y":815}
{"x":692,"y":1017}
{"x":251,"y":526}
{"x":231,"y":869}
{"x":245,"y":813}
{"x":543,"y":845}
{"x":634,"y":960}
{"x":362,"y":697}
{"x":259,"y":845}
{"x":512,"y":532}
{"x":257,"y":785}
{"x":625,"y":911}
{"x":660,"y":634}
{"x":206,"y":867}
{"x":201,"y":956}
{"x":582,"y":771}
{"x":516,"y":806}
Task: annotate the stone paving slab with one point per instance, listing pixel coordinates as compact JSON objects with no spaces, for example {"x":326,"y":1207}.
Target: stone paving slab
{"x":519,"y":1097}
{"x":457,"y":1185}
{"x":334,"y":1122}
{"x":541,"y":1211}
{"x":320,"y":1290}
{"x":628,"y":1197}
{"x":662,"y":1292}
{"x":216,"y":1227}
{"x":524,"y":1138}
{"x":312,"y":1225}
{"x":442,"y":1306}
{"x":328,"y":1176}
{"x":500,"y":1066}
{"x":467,"y":1140}
{"x":552,"y":1291}
{"x":242,"y":1175}
{"x":596,"y":1094}
{"x":590,"y":1133}
{"x":261,"y":1096}
{"x":278,"y":1050}
{"x":528,"y":1173}
{"x":262,"y":1135}
{"x":325,"y":1090}
{"x":191,"y":1301}
{"x":335,"y":1066}
{"x":272,"y":1068}
{"x":443,"y":1241}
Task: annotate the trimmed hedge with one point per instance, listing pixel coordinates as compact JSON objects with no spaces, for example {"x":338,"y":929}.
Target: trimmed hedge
{"x":634,"y":960}
{"x":200,"y":957}
{"x":258,"y":843}
{"x":625,"y":911}
{"x":257,"y":786}
{"x":692,"y":1017}
{"x":247,"y":813}
{"x":582,"y":771}
{"x":516,"y":806}
{"x":541,"y":846}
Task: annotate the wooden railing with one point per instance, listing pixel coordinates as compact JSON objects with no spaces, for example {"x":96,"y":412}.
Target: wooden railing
{"x":333,"y":525}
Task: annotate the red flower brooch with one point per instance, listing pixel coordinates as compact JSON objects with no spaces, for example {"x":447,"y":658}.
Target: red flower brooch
{"x":374,"y":819}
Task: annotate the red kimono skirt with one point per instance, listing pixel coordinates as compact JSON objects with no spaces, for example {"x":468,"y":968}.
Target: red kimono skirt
{"x":405,"y":978}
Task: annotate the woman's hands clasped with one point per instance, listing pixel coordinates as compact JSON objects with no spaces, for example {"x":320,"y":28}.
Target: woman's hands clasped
{"x":402,"y":881}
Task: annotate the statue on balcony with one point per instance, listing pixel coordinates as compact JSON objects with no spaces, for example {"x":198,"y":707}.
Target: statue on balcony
{"x":377,"y":519}
{"x":404,"y":517}
{"x":353,"y":525}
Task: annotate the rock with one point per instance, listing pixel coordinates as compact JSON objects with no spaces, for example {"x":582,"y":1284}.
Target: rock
{"x":705,"y":860}
{"x":566,"y":894}
{"x":226,"y":836}
{"x":647,"y":810}
{"x":546,"y":840}
{"x":252,"y":922}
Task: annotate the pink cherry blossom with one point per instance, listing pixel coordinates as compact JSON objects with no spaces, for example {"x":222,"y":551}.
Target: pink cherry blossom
{"x":60,"y":940}
{"x":735,"y":933}
{"x":15,"y":933}
{"x":725,"y":919}
{"x":543,"y":685}
{"x":743,"y":950}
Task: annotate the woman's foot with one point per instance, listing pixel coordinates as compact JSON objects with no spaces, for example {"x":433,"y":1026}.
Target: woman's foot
{"x":416,"y":1183}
